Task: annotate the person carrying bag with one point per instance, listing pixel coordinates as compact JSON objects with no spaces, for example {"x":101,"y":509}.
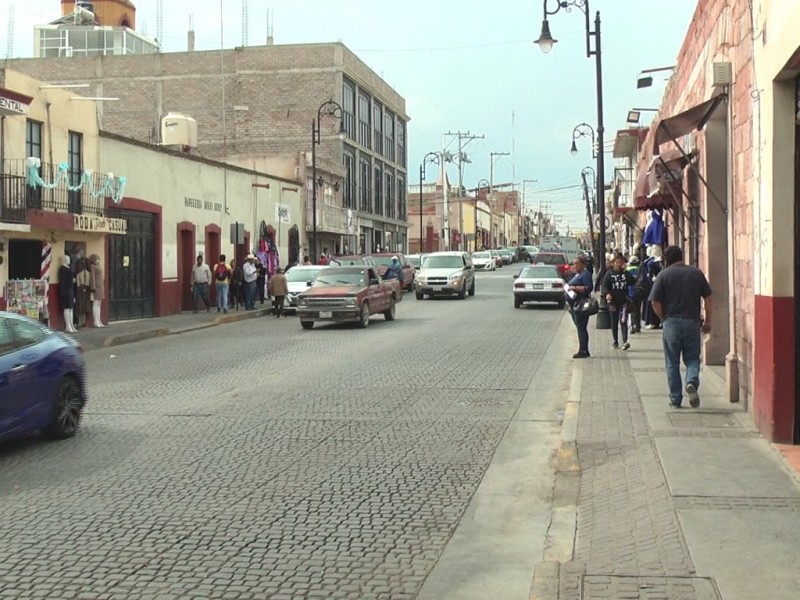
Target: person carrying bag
{"x":582,"y":305}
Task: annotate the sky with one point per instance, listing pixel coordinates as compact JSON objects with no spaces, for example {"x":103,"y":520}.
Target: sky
{"x":462,"y":65}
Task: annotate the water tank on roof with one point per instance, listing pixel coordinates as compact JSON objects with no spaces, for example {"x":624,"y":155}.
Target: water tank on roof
{"x":178,"y":130}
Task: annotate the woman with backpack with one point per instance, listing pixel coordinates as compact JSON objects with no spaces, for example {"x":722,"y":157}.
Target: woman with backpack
{"x":222,"y":280}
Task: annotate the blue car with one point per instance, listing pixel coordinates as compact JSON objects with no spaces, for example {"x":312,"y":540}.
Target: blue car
{"x":42,"y":380}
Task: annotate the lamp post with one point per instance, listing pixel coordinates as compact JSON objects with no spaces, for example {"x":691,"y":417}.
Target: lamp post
{"x":582,"y":130}
{"x":546,"y":42}
{"x":326,"y":109}
{"x":483,"y":183}
{"x":585,"y":173}
{"x":430,"y":157}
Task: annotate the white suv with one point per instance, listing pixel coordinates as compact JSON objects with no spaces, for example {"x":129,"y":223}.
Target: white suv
{"x":445,"y":273}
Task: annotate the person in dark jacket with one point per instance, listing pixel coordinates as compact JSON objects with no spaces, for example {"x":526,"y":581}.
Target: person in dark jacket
{"x":66,"y":293}
{"x":579,"y":288}
{"x":615,"y":288}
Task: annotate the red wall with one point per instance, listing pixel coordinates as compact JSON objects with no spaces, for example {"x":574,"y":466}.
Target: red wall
{"x":774,"y":372}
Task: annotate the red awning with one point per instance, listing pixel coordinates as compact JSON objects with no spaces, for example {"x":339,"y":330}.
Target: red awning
{"x":642,"y":198}
{"x":621,"y":211}
{"x":689,"y":120}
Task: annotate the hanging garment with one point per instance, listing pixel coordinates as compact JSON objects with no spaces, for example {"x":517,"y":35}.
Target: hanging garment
{"x":655,"y":234}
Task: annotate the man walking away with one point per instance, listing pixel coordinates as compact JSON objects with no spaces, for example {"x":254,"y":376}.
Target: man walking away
{"x":250,"y":276}
{"x":615,"y":287}
{"x":675,"y":298}
{"x":201,"y":279}
{"x":278,"y":288}
{"x":222,"y":279}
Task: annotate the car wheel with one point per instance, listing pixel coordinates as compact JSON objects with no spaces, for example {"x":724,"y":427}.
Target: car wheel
{"x":67,"y":410}
{"x":363,"y":320}
{"x":462,"y":293}
{"x":472,"y":288}
{"x":420,"y":296}
{"x":390,"y":312}
{"x":517,"y":302}
{"x":307,"y":324}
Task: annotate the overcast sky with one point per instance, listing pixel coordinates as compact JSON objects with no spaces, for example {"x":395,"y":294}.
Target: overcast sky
{"x":463,"y":65}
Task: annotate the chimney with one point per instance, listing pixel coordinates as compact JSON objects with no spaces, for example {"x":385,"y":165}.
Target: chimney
{"x":191,"y":40}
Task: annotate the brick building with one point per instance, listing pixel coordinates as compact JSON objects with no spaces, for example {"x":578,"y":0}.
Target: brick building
{"x":722,"y":158}
{"x":254,"y":107}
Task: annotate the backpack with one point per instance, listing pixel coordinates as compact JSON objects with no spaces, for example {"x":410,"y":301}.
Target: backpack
{"x":221,"y":272}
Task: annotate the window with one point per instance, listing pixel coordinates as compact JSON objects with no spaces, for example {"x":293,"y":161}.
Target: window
{"x":33,"y":147}
{"x":6,"y":341}
{"x":401,"y":200}
{"x":377,"y":122}
{"x":366,"y":186}
{"x":389,"y":190}
{"x":364,"y":121}
{"x":388,"y":134}
{"x":349,"y":109}
{"x":350,"y":180}
{"x":378,"y":205}
{"x":401,"y":143}
{"x":26,"y":334}
{"x":75,"y":155}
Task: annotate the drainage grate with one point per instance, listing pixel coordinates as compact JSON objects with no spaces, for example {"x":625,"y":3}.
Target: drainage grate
{"x":648,"y":587}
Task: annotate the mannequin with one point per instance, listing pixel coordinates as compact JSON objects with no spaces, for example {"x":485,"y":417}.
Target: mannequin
{"x":66,"y":293}
{"x":83,"y":302}
{"x":650,"y":269}
{"x":98,"y":289}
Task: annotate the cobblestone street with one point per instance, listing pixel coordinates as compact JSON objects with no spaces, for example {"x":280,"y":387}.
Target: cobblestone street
{"x":258,"y":460}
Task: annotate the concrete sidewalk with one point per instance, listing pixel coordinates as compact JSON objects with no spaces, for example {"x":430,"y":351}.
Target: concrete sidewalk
{"x":666,"y":503}
{"x":126,"y":332}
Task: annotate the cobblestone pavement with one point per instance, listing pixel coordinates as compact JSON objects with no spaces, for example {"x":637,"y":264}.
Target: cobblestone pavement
{"x":258,"y":460}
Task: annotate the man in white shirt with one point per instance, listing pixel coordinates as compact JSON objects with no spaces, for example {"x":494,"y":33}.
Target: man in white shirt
{"x":201,"y":279}
{"x":250,"y":276}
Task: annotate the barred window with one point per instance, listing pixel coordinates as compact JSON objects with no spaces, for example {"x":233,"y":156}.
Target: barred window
{"x":349,"y":109}
{"x":364,"y":121}
{"x":401,"y":143}
{"x":366,"y":186}
{"x":349,"y":196}
{"x":377,"y":123}
{"x":378,"y":206}
{"x":389,"y":191}
{"x":388,"y":134}
{"x":402,"y":209}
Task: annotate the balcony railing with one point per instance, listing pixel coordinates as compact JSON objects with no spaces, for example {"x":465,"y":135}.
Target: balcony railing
{"x":332,"y":219}
{"x":17,"y":195}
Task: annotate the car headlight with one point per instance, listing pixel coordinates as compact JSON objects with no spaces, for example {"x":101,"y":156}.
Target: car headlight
{"x":420,"y":279}
{"x":455,"y":277}
{"x":350,"y":302}
{"x":301,"y":301}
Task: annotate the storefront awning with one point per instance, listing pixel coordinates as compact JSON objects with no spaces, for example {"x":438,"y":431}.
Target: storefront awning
{"x":643,"y":199}
{"x":695,"y":118}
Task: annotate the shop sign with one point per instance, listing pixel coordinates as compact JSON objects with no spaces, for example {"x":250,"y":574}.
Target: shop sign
{"x":10,"y":106}
{"x":96,"y":224}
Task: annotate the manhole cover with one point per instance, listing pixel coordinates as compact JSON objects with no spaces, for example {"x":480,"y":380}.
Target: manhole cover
{"x":703,"y":419}
{"x":648,"y":588}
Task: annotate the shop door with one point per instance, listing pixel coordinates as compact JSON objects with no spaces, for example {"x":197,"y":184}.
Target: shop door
{"x":132,"y":268}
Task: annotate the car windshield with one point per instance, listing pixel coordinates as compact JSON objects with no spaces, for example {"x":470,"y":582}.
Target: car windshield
{"x":443,"y":262}
{"x":348,"y":262}
{"x":341,"y":278}
{"x":383,"y":261}
{"x":414,"y":261}
{"x":295,"y":275}
{"x":481,"y":255}
{"x":539,"y":273}
{"x":550,"y":259}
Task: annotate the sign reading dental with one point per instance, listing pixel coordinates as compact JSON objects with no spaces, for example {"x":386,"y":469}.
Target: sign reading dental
{"x":12,"y":103}
{"x":95,"y":224}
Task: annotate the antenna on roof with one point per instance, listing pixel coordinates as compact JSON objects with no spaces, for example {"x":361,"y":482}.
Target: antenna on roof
{"x":270,"y":22}
{"x":10,"y":37}
{"x":160,"y":23}
{"x":245,"y":23}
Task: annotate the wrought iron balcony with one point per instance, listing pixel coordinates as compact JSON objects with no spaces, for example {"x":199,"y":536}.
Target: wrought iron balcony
{"x":331,"y":219}
{"x":18,"y":194}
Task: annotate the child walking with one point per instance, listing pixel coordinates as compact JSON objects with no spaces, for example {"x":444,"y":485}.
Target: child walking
{"x":615,"y":288}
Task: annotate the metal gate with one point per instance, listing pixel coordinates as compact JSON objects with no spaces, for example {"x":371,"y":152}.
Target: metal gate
{"x":132,"y":268}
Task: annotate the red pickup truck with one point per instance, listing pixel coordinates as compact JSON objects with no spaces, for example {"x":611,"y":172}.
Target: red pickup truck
{"x":409,"y":272}
{"x":348,"y":294}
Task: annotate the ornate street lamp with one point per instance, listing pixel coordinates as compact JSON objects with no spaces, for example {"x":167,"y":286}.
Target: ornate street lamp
{"x":546,"y":42}
{"x":326,"y":109}
{"x":582,"y":130}
{"x":430,"y":157}
{"x":482,"y":184}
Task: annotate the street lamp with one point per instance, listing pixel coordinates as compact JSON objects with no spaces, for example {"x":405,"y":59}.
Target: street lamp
{"x":483,"y":183}
{"x":546,"y":42}
{"x":582,"y":130}
{"x":326,"y":109}
{"x":430,"y":157}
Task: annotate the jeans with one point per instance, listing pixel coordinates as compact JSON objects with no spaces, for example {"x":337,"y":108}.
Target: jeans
{"x":277,"y":305}
{"x":222,"y":296}
{"x":619,"y":319}
{"x":681,"y":337}
{"x":249,"y":295}
{"x":582,"y":325}
{"x":200,"y":290}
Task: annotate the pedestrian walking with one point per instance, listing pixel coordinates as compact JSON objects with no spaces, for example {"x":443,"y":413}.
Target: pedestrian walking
{"x":675,"y":298}
{"x":237,"y":285}
{"x":201,"y":280}
{"x":579,"y":288}
{"x":634,"y":299}
{"x":222,"y":279}
{"x":616,"y":283}
{"x":250,"y":273}
{"x":278,"y":288}
{"x":261,"y":280}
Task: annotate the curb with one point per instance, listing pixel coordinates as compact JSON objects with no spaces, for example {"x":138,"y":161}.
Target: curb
{"x":138,"y":336}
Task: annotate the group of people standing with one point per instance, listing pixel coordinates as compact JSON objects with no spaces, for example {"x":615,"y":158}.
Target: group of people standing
{"x":81,"y":291}
{"x":236,"y":285}
{"x":673,"y":295}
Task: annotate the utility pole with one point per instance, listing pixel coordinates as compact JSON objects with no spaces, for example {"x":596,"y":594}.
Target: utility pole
{"x":491,"y":193}
{"x":464,"y":138}
{"x":523,"y":212}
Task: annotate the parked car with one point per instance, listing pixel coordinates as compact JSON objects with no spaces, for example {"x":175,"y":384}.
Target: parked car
{"x":539,"y":283}
{"x":415,"y":260}
{"x":353,"y":261}
{"x":506,"y":255}
{"x":350,"y":295}
{"x":512,"y":251}
{"x":525,"y":253}
{"x":383,"y":260}
{"x":445,"y":273}
{"x":42,"y":380}
{"x":553,"y":259}
{"x":483,"y":261}
{"x":299,"y":279}
{"x":498,"y":260}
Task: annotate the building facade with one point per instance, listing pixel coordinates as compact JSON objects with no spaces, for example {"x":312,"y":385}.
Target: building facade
{"x":254,"y":107}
